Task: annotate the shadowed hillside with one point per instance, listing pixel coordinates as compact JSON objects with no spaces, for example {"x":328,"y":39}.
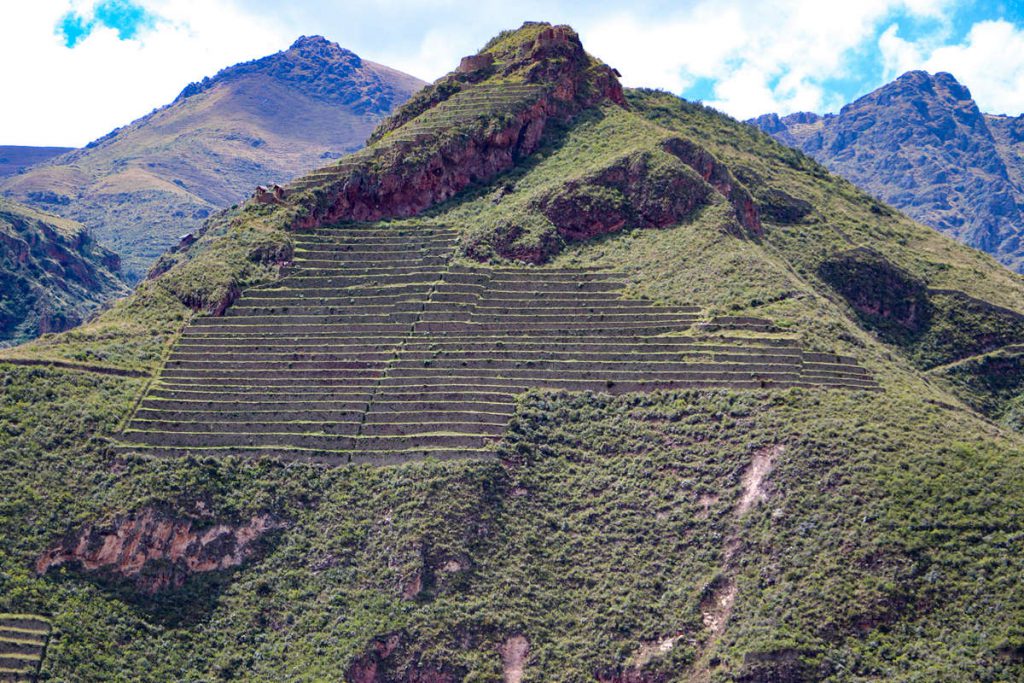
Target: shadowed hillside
{"x":553,"y":381}
{"x":143,"y":186}
{"x":52,"y":274}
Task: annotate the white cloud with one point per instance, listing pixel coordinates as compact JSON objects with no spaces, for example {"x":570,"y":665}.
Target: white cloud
{"x":990,"y":62}
{"x":69,"y":96}
{"x":760,"y":55}
{"x":763,"y":56}
{"x":669,"y":54}
{"x":435,"y":55}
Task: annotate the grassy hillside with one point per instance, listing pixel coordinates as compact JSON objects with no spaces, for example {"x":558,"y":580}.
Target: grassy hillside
{"x":143,"y":186}
{"x":52,"y":274}
{"x":690,"y":534}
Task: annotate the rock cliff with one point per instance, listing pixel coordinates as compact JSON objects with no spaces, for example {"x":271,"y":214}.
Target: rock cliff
{"x":466,"y":128}
{"x":157,"y":551}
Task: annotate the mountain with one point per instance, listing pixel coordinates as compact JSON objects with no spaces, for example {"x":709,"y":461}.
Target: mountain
{"x":15,"y":159}
{"x":52,"y":274}
{"x":921,"y":144}
{"x":553,"y":381}
{"x":143,"y":186}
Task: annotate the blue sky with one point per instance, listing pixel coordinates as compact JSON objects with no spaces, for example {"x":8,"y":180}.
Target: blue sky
{"x":127,"y":18}
{"x":92,"y":65}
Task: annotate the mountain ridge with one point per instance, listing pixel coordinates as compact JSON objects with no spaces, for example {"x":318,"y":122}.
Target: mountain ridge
{"x":16,"y":158}
{"x":921,"y":144}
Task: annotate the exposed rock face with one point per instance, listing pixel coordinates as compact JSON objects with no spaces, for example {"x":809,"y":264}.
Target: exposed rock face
{"x":901,"y":309}
{"x":653,"y":188}
{"x":639,"y":190}
{"x":52,"y":273}
{"x":647,"y":190}
{"x":921,"y":144}
{"x":399,"y":177}
{"x":719,"y":177}
{"x":472,"y":63}
{"x":156,"y":551}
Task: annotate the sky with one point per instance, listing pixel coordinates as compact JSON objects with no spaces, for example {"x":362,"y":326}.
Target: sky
{"x":76,"y":69}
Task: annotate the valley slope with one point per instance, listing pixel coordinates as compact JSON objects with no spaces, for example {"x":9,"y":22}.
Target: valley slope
{"x":787,"y":461}
{"x":143,"y":186}
{"x":52,"y":273}
{"x":921,"y":144}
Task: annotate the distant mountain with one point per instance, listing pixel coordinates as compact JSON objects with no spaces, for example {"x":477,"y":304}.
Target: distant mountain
{"x":144,"y":185}
{"x":52,"y":273}
{"x":16,"y":158}
{"x":921,"y":144}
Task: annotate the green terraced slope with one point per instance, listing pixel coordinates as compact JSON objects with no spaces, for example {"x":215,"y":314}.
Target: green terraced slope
{"x":626,"y":392}
{"x":376,"y":348}
{"x":23,"y":640}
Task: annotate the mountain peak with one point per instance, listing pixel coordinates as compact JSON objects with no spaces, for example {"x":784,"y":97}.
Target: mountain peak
{"x":319,"y":48}
{"x":922,"y":144}
{"x":261,"y":121}
{"x":941,"y":84}
{"x":496,"y":104}
{"x":319,"y":68}
{"x":311,"y":41}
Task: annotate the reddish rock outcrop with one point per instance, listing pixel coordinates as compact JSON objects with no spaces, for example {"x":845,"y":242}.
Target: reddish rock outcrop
{"x":882,"y":294}
{"x":472,"y":63}
{"x":655,"y":188}
{"x":719,"y":177}
{"x":157,"y":551}
{"x":402,"y":178}
{"x":638,"y":190}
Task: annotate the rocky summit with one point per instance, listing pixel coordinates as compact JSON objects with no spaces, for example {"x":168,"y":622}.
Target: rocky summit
{"x":143,"y":186}
{"x":552,"y":381}
{"x":921,"y":144}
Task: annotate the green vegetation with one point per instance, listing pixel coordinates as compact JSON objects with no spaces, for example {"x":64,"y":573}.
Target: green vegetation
{"x":743,"y":534}
{"x":52,"y":274}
